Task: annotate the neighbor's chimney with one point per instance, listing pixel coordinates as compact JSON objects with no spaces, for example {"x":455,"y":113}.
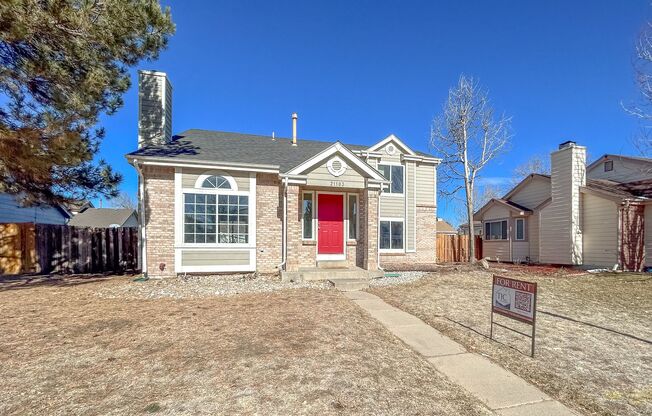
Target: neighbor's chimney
{"x":560,"y":228}
{"x":154,"y":108}
{"x":294,"y":128}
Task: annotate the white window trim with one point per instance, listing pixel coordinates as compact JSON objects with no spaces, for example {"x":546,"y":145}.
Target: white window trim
{"x":200,"y":180}
{"x":388,"y":139}
{"x":391,"y":250}
{"x":179,"y":244}
{"x":484,"y":228}
{"x":387,"y":193}
{"x":313,"y":220}
{"x":357,"y":223}
{"x":516,"y":229}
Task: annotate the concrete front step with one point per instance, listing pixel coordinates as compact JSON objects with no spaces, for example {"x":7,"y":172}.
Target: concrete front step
{"x":332,"y":264}
{"x":350,"y":285}
{"x":309,"y":274}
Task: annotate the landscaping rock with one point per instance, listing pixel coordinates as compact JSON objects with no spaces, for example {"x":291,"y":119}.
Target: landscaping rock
{"x":484,"y":263}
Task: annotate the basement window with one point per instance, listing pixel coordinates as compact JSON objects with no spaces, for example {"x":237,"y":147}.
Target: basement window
{"x":495,"y":230}
{"x":608,"y":165}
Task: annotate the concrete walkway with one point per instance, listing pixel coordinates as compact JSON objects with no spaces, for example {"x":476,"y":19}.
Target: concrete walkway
{"x":502,"y":391}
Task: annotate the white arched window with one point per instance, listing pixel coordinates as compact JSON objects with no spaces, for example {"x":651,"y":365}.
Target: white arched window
{"x":215,"y":212}
{"x":216,"y":181}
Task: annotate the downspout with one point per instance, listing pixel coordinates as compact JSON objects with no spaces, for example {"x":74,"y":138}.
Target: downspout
{"x":378,"y":231}
{"x":141,"y":219}
{"x":284,"y":226}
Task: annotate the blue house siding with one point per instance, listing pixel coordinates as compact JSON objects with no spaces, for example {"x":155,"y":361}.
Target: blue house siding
{"x":11,"y":211}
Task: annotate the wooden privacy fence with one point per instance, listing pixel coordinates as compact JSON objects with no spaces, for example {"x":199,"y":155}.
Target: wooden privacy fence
{"x":44,"y":248}
{"x":455,"y":248}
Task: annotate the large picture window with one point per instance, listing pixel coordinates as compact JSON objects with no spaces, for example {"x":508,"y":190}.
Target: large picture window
{"x":210,"y":218}
{"x":394,"y":173}
{"x":496,"y":230}
{"x":391,"y":235}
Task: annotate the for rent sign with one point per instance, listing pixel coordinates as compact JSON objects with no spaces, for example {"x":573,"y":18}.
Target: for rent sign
{"x":514,"y":298}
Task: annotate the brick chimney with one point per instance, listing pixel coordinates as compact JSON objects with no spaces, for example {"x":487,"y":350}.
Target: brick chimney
{"x":561,"y":232}
{"x":154,"y":108}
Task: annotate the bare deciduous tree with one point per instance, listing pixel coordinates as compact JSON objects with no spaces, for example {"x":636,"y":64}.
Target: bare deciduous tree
{"x":643,"y":109}
{"x":481,"y":195}
{"x":124,"y":200}
{"x":467,"y":136}
{"x":536,"y":164}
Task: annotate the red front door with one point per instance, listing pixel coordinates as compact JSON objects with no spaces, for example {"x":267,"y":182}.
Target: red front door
{"x":330,"y":220}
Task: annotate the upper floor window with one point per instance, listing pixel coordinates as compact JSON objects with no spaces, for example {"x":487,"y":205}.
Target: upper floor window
{"x":394,"y":173}
{"x":216,"y":182}
{"x":608,"y":165}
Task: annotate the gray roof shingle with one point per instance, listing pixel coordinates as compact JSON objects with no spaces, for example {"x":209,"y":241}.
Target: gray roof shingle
{"x":101,"y":217}
{"x":226,"y":147}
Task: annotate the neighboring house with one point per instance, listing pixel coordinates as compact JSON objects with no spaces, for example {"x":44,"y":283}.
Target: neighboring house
{"x":12,"y":211}
{"x":105,"y":218}
{"x":593,"y":215}
{"x":223,"y":202}
{"x":443,"y":227}
{"x":464,"y":228}
{"x":75,"y":207}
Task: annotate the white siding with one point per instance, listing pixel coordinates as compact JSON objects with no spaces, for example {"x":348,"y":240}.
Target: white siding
{"x":532,"y":194}
{"x":11,"y":211}
{"x":648,"y":235}
{"x":496,"y":212}
{"x":497,"y":250}
{"x":392,"y":206}
{"x":320,"y":176}
{"x":215,"y":258}
{"x":561,"y":240}
{"x":190,"y":177}
{"x":532,"y":229}
{"x":600,"y":231}
{"x":521,"y":250}
{"x":426,"y":185}
{"x":624,"y":170}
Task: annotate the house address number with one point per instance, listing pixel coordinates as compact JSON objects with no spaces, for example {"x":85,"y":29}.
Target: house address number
{"x":338,"y":184}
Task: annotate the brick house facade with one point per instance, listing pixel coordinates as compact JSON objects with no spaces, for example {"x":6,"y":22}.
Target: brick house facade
{"x":216,"y":202}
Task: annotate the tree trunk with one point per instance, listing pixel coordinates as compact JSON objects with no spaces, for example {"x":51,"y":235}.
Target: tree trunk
{"x":469,"y":212}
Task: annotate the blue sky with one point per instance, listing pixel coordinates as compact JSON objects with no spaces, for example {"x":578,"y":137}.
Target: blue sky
{"x":357,"y":71}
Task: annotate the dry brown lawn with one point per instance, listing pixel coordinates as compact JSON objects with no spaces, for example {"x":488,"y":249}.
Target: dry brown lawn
{"x":65,"y":350}
{"x":594,"y":332}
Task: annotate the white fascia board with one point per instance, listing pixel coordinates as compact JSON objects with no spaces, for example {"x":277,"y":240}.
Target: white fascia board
{"x":204,"y":165}
{"x":325,"y":154}
{"x":375,"y":155}
{"x":396,"y":140}
{"x":603,"y":194}
{"x":422,"y":159}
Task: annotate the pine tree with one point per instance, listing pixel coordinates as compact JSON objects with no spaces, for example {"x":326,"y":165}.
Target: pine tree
{"x":63,"y":63}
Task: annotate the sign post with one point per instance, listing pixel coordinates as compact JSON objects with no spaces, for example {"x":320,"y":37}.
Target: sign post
{"x":515,"y":299}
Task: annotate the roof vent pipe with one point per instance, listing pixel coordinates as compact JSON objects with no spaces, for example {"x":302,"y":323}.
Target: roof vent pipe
{"x":294,"y":128}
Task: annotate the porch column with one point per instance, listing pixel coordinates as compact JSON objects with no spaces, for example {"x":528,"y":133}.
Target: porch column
{"x":293,"y":229}
{"x":369,"y":207}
